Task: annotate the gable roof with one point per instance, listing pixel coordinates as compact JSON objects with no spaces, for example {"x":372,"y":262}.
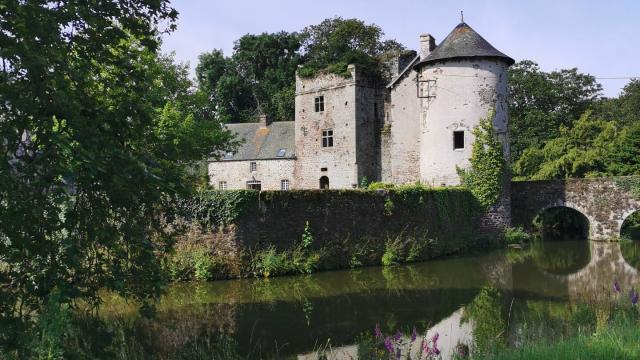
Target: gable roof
{"x":259,"y":142}
{"x":464,"y":42}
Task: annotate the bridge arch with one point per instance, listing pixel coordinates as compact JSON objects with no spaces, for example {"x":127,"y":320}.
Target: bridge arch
{"x":583,"y":228}
{"x":629,"y":216}
{"x":604,"y":201}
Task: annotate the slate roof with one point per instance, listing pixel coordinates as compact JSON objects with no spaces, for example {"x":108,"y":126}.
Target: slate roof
{"x":464,"y":42}
{"x":260,"y":142}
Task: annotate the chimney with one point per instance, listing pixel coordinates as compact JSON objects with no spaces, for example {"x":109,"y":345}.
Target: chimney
{"x":427,"y":44}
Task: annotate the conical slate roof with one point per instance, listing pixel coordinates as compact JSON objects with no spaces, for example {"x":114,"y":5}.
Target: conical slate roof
{"x":464,"y":42}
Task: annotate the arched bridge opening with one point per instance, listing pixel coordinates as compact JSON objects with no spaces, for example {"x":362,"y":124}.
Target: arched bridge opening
{"x":604,"y":202}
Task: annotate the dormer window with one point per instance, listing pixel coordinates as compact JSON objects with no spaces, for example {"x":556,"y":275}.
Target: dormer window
{"x":228,"y":156}
{"x":281,"y":152}
{"x":319,"y":103}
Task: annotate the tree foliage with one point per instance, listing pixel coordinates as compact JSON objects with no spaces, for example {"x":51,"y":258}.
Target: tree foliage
{"x":540,"y":103}
{"x":561,"y":127}
{"x":96,"y":132}
{"x":259,"y":77}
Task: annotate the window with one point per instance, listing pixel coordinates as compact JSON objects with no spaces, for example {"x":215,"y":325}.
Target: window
{"x":319,"y":103}
{"x":253,"y":166}
{"x":254,"y":185}
{"x":458,"y":140}
{"x":284,"y":184}
{"x":228,"y":156}
{"x":222,"y":185}
{"x":327,"y":138}
{"x":281,"y":153}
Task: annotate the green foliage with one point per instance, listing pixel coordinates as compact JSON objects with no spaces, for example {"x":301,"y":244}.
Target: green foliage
{"x":215,"y":209}
{"x":96,"y":136}
{"x":560,"y":127}
{"x":391,"y":254}
{"x":364,"y":182}
{"x":516,"y":236}
{"x":259,"y":77}
{"x":380,"y":185}
{"x":388,"y":206}
{"x":488,"y":170}
{"x":540,"y":103}
{"x":581,"y":151}
{"x":335,"y":43}
{"x":299,"y":260}
{"x":307,"y":236}
{"x":489,"y":332}
{"x":630,"y":184}
{"x":195,"y":261}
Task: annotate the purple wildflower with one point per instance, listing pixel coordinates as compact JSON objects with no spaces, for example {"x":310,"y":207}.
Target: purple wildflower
{"x":398,"y":354}
{"x":377,"y":332}
{"x":397,"y":336}
{"x":435,"y":350}
{"x":414,"y":335}
{"x":435,"y":338}
{"x":388,"y":344}
{"x":634,"y":297}
{"x":616,"y":286}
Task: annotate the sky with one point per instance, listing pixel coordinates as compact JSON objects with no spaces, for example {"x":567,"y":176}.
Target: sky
{"x":601,"y":38}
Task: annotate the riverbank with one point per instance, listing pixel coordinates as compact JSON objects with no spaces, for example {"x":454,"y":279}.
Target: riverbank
{"x":243,"y":233}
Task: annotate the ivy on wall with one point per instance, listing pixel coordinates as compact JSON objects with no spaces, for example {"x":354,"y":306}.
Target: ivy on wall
{"x":488,"y":166}
{"x":212,"y":208}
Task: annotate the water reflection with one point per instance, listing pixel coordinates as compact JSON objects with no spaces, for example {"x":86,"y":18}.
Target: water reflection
{"x":289,"y":316}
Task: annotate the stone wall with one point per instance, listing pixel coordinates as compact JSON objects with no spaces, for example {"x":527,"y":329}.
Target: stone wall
{"x":269,"y":172}
{"x":605,"y":202}
{"x":403,"y":126}
{"x":348,"y":222}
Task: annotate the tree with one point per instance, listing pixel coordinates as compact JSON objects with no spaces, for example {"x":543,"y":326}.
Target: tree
{"x":258,"y":78}
{"x":335,"y":43}
{"x":540,"y":103}
{"x":580,"y":151}
{"x":96,"y":132}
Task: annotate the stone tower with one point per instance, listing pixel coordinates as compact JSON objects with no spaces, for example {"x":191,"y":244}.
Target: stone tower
{"x":337,"y":120}
{"x":459,"y":83}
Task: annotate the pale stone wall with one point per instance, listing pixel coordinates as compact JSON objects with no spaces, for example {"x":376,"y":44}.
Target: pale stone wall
{"x":461,"y":92}
{"x":404,"y":126}
{"x":237,"y":173}
{"x":348,"y":111}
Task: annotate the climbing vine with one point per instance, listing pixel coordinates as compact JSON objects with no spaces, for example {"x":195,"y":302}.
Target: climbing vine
{"x":488,"y":166}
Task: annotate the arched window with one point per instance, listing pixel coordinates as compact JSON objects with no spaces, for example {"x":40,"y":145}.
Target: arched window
{"x":324,"y":182}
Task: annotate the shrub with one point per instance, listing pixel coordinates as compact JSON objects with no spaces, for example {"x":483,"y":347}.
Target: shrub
{"x":391,"y":254}
{"x":515,"y":236}
{"x":194,"y":261}
{"x":376,"y":185}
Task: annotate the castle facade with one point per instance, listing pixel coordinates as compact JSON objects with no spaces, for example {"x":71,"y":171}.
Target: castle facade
{"x":350,"y":130}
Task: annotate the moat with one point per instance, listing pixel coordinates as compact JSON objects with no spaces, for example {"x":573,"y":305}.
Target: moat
{"x":294,"y":317}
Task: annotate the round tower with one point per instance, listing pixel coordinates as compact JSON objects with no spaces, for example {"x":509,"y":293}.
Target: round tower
{"x":460,"y":82}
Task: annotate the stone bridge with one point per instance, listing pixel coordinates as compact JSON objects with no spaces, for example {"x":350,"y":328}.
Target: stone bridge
{"x":605,"y":202}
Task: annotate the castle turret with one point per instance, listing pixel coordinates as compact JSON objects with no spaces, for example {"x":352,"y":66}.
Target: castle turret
{"x":459,"y":83}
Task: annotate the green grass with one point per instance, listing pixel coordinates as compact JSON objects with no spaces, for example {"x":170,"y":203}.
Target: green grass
{"x":620,"y":340}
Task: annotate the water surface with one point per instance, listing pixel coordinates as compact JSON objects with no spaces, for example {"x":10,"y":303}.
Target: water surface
{"x":293,"y":317}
